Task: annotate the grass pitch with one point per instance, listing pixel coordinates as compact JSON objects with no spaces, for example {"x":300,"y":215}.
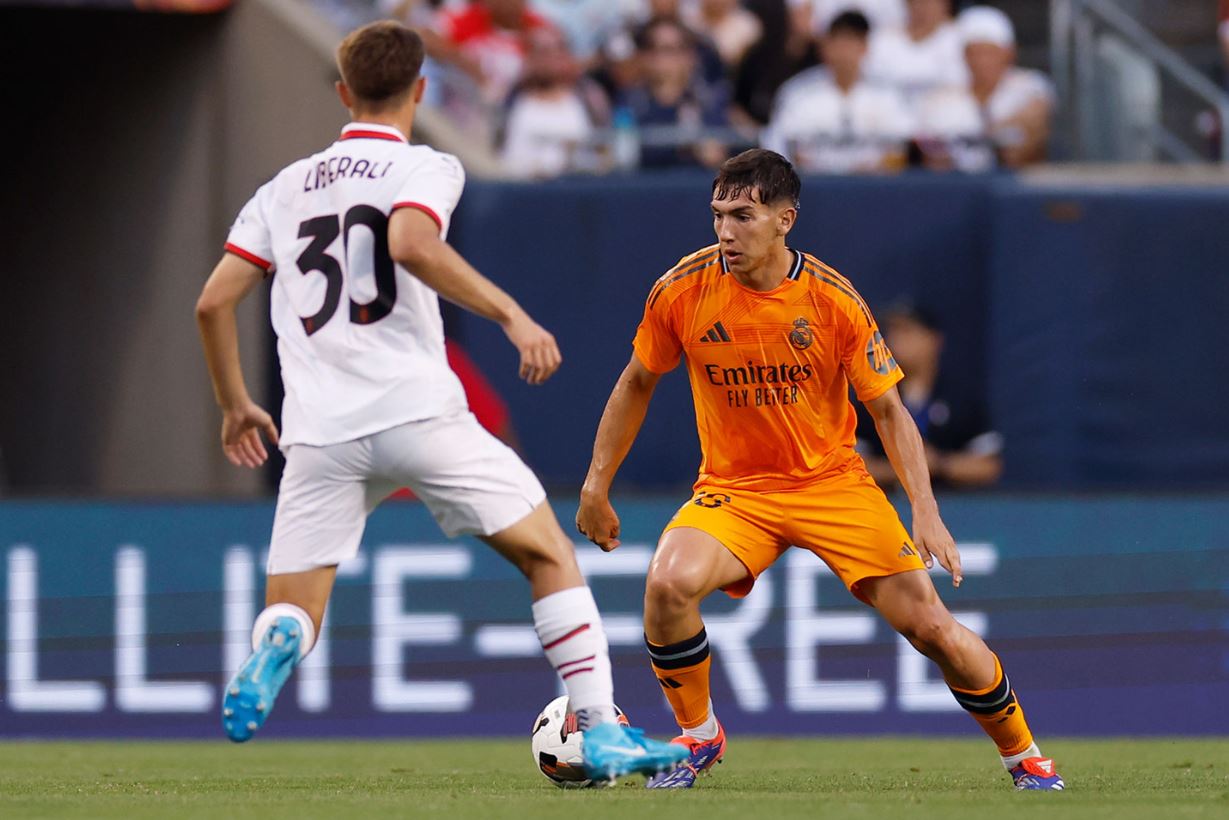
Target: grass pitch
{"x":762,"y":779}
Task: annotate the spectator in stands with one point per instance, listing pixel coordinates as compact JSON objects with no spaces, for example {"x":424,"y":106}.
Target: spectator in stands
{"x":587,"y":24}
{"x":812,"y":17}
{"x":766,"y":66}
{"x":730,"y":27}
{"x":924,"y":55}
{"x":672,"y":106}
{"x":622,"y":66}
{"x":830,"y":119}
{"x":413,"y":13}
{"x":1003,"y":115}
{"x":485,"y":40}
{"x":553,"y":113}
{"x":961,"y":448}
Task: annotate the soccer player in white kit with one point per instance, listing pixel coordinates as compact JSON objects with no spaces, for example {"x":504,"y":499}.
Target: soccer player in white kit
{"x":354,"y":238}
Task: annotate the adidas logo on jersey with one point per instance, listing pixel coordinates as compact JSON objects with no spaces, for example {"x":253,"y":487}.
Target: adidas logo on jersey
{"x":716,"y":333}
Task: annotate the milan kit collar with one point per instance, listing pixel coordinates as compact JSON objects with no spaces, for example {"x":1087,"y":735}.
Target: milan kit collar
{"x":371,"y":131}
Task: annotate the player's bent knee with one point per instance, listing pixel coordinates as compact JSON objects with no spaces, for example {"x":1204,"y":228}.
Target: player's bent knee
{"x":672,"y":590}
{"x":934,"y":634}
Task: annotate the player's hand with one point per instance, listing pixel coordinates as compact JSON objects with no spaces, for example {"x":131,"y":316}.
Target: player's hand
{"x":933,"y":541}
{"x":597,"y":521}
{"x":241,"y":429}
{"x":540,"y":356}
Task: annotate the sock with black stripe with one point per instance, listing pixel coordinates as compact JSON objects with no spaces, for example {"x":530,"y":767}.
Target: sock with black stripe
{"x":682,"y":669}
{"x":570,"y":629}
{"x":1000,"y":716}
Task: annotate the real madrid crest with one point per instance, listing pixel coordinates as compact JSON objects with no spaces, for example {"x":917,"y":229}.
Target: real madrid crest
{"x":801,"y":336}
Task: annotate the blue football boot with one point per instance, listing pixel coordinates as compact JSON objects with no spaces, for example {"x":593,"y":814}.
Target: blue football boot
{"x":702,"y":755}
{"x":611,"y":751}
{"x":250,"y":694}
{"x":1037,"y":773}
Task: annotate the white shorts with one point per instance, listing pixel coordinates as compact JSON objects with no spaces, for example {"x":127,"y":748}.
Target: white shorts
{"x":472,"y":482}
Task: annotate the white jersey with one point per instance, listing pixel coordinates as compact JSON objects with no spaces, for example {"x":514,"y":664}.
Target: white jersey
{"x":954,"y":115}
{"x":360,"y":339}
{"x":915,"y":67}
{"x":819,"y":127}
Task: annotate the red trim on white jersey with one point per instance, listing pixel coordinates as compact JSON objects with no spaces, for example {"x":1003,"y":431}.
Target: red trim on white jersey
{"x":429,"y":212}
{"x":371,"y":131}
{"x":248,"y":256}
{"x":368,"y":135}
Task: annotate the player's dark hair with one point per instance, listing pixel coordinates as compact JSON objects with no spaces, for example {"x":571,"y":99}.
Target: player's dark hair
{"x":850,"y":22}
{"x":758,"y":172}
{"x":380,"y":62}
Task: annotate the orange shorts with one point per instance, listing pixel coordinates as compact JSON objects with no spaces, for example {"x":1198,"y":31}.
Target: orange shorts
{"x":847,"y":521}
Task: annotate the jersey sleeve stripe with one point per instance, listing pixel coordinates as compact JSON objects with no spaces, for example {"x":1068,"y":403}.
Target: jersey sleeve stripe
{"x":419,"y":206}
{"x":833,"y":273}
{"x":702,"y":255}
{"x":699,"y":266}
{"x":248,"y":256}
{"x":848,"y":291}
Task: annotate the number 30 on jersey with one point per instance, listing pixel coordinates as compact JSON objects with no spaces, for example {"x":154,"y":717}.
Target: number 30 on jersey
{"x":323,"y":230}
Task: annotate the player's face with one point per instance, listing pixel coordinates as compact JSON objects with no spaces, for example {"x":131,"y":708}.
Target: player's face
{"x":748,"y":231}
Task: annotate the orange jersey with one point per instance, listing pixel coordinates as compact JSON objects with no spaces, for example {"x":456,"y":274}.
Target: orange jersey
{"x":770,"y":371}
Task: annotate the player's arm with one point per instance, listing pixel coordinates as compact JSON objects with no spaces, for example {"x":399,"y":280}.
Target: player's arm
{"x":414,"y":242}
{"x":621,"y":420}
{"x":903,"y":444}
{"x":242,"y":419}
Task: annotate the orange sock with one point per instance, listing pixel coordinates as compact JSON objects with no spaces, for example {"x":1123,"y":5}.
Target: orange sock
{"x":998,"y":712}
{"x":682,"y":670}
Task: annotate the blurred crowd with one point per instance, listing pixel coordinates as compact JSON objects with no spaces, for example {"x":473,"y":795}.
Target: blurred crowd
{"x":838,"y":86}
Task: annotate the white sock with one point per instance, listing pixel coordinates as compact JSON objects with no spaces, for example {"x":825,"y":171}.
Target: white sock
{"x":570,"y":629}
{"x":1015,"y":760}
{"x":706,"y":730}
{"x":269,"y":616}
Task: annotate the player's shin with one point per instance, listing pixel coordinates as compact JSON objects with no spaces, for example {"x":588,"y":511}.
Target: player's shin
{"x":1000,"y":716}
{"x":570,"y":629}
{"x":682,"y":669}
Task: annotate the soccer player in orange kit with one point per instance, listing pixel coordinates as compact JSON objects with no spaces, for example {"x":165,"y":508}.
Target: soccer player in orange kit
{"x":773,"y":339}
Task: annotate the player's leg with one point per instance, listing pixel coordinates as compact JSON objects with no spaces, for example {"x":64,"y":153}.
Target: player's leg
{"x":849,"y":523}
{"x":564,"y":612}
{"x":688,"y":566}
{"x":910,"y":604}
{"x":475,"y":485}
{"x":322,"y":505}
{"x":716,"y":541}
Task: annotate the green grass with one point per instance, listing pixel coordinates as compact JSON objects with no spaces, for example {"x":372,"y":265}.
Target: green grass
{"x":762,"y":779}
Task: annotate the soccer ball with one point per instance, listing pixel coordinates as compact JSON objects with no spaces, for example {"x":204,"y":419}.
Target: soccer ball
{"x":556,"y":745}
